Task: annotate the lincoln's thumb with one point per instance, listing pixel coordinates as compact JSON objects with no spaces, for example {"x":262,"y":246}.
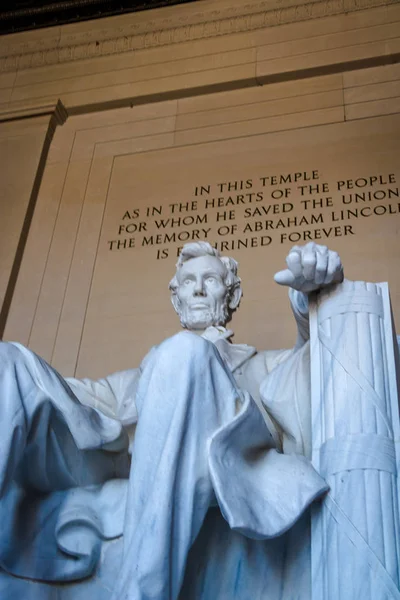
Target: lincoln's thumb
{"x":285,"y":277}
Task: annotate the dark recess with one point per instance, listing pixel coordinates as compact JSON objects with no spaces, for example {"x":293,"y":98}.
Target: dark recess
{"x":21,"y":15}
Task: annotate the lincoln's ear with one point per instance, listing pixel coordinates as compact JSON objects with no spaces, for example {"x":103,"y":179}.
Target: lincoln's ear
{"x":235,"y":297}
{"x":175,"y":303}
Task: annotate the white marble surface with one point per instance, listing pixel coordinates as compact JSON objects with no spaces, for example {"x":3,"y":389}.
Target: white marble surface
{"x":214,"y":504}
{"x":355,"y":431}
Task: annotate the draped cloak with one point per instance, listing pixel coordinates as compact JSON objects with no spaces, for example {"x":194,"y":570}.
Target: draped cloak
{"x":57,"y":515}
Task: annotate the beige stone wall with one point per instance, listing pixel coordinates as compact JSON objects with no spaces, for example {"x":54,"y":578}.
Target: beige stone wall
{"x":204,"y":94}
{"x":23,"y":147}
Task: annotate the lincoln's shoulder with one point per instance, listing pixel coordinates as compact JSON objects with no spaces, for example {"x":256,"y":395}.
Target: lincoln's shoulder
{"x":266,"y":360}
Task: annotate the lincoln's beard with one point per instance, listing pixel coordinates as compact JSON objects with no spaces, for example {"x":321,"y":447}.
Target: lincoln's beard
{"x":201,"y":319}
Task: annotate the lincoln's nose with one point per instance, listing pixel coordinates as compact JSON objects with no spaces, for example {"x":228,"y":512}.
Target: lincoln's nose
{"x":199,"y":288}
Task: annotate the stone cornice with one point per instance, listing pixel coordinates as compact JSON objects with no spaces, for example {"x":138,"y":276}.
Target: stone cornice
{"x":117,"y":36}
{"x":57,"y":111}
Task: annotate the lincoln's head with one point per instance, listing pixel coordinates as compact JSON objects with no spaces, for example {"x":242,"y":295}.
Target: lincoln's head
{"x":205,"y":289}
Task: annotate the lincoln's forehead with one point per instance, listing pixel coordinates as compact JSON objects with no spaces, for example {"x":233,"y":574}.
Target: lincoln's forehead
{"x":201,"y":265}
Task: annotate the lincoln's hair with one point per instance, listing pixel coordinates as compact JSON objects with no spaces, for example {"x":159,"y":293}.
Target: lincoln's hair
{"x":231,"y":280}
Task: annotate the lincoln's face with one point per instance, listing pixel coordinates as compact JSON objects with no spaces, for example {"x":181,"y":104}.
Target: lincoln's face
{"x":202,"y":293}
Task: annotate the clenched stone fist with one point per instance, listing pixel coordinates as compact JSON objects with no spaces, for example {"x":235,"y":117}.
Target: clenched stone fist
{"x":310,"y":268}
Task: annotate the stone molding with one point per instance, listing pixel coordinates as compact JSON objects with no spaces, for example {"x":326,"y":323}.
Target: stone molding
{"x":57,"y":111}
{"x":17,"y":52}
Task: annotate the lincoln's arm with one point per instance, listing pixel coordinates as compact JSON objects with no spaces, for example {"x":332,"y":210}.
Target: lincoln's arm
{"x":310,"y":268}
{"x":113,"y":396}
{"x":299,"y":304}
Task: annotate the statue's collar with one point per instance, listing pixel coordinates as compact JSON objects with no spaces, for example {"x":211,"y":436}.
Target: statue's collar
{"x":234,"y":355}
{"x":212,"y":334}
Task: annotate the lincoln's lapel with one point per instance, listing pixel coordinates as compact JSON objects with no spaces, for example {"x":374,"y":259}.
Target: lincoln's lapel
{"x":234,"y":355}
